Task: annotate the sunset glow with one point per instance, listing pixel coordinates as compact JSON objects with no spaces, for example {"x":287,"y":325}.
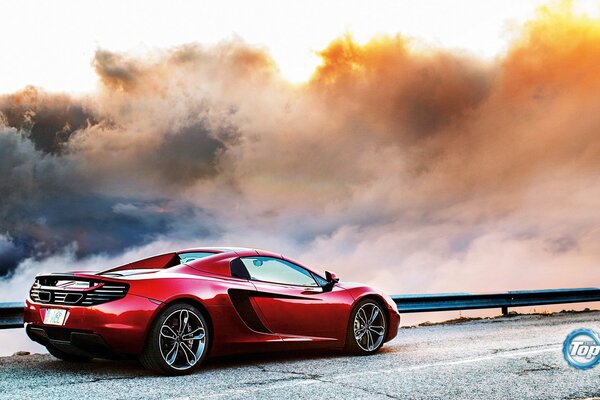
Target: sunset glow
{"x":52,"y":43}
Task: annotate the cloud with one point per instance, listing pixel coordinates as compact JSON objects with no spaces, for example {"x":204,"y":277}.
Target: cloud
{"x":48,"y":120}
{"x":47,"y":205}
{"x":406,"y":95}
{"x":410,"y":167}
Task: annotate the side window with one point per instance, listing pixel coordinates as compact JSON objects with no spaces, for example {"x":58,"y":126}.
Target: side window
{"x":187,"y":257}
{"x":278,"y":271}
{"x":238,"y":270}
{"x":321,"y":281}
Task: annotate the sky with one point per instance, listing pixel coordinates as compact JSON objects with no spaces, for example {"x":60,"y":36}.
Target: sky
{"x":420,"y":147}
{"x":51,"y":44}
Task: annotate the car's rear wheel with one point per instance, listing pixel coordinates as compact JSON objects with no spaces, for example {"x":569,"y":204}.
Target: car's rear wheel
{"x":367,"y":328}
{"x":178,"y":340}
{"x":61,"y":355}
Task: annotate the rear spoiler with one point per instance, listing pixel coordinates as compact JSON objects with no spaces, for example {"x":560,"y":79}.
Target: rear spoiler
{"x":74,"y":276}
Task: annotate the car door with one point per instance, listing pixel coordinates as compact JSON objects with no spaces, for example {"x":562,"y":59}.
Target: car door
{"x":294,"y":304}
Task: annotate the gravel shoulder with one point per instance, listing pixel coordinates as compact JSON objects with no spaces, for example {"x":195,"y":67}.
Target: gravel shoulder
{"x":513,"y":357}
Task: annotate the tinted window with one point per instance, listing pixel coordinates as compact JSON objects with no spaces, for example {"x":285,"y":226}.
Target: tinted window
{"x":279,"y":271}
{"x":187,"y":257}
{"x":321,"y":281}
{"x":238,"y":270}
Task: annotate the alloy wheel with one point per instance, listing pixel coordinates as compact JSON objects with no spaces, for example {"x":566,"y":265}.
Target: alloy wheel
{"x":369,"y":327}
{"x":182,"y":339}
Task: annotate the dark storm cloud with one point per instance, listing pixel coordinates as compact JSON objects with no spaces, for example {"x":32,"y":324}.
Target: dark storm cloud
{"x":189,"y":154}
{"x":47,"y":205}
{"x":10,"y":254}
{"x":105,"y":173}
{"x":48,"y":120}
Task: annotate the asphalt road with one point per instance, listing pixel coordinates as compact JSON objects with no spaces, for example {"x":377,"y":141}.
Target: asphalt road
{"x":515,"y":357}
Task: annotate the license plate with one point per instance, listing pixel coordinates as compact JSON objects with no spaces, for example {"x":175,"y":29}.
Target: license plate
{"x":55,"y":316}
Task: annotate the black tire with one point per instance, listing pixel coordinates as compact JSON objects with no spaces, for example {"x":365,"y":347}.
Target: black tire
{"x":172,"y":352}
{"x":61,"y":355}
{"x":372,"y":339}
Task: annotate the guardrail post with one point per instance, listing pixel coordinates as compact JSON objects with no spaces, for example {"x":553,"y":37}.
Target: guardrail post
{"x":505,"y":310}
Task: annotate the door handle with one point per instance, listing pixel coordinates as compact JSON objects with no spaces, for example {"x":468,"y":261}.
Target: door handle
{"x":311,"y":290}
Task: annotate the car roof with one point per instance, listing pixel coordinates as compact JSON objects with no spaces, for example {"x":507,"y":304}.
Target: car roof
{"x":213,"y":249}
{"x":230,"y":249}
{"x":214,"y":264}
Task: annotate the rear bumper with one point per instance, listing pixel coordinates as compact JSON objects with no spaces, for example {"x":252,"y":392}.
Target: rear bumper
{"x":116,"y":327}
{"x":81,"y":343}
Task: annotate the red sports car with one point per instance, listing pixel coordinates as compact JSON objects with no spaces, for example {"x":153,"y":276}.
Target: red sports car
{"x":174,"y":309}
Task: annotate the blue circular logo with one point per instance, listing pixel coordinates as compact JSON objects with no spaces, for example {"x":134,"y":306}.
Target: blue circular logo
{"x":581,"y":348}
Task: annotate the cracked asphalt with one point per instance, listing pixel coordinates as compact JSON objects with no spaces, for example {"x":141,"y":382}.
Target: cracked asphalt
{"x":509,"y":357}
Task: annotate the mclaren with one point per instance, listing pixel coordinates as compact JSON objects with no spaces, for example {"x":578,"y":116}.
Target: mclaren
{"x":173,"y":310}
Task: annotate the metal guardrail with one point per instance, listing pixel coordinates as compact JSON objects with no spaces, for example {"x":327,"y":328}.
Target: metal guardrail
{"x":467,"y":301}
{"x":11,"y":314}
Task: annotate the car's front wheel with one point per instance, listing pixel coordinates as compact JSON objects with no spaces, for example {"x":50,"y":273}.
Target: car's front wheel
{"x":367,"y":328}
{"x":178,"y":340}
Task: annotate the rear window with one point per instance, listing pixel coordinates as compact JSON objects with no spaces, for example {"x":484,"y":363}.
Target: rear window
{"x":185,"y":258}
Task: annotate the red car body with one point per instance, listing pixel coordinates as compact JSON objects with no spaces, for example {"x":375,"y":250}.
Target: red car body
{"x":109,"y":313}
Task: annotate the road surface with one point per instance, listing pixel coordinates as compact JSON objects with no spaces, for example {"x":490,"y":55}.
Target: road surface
{"x":513,"y":357}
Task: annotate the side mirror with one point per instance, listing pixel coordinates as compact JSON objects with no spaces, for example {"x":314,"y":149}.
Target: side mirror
{"x":331,"y":277}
